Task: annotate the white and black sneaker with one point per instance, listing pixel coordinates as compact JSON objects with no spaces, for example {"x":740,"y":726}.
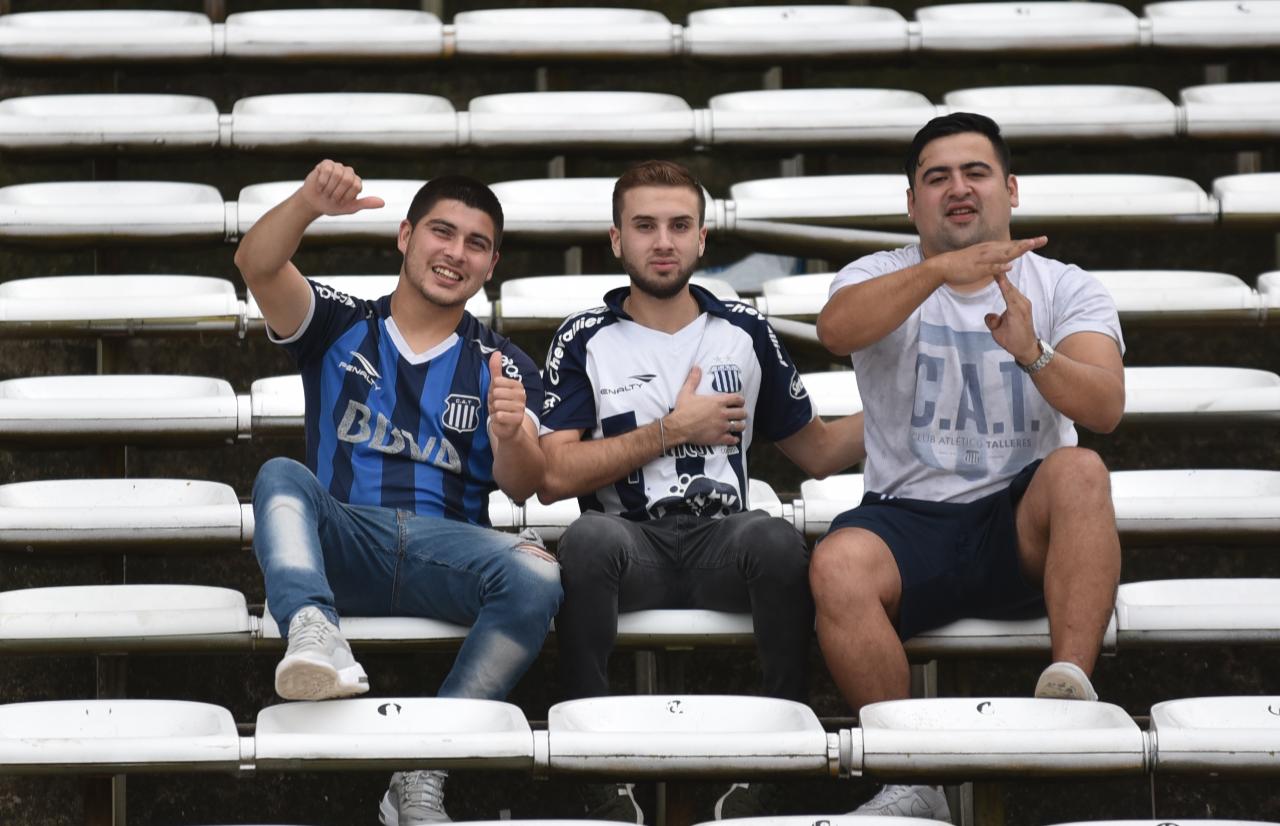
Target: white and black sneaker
{"x":908,"y":801}
{"x":1065,"y":681}
{"x":318,"y":664}
{"x":414,"y":799}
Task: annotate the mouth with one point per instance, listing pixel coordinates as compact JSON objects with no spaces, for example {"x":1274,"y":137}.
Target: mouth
{"x":664,"y":263}
{"x":447,"y":273}
{"x":962,"y":212}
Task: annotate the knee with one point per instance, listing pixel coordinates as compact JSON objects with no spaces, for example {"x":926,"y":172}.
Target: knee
{"x":1077,"y":473}
{"x":281,"y":475}
{"x":776,"y":550}
{"x":591,"y":546}
{"x":849,"y":567}
{"x":538,"y":589}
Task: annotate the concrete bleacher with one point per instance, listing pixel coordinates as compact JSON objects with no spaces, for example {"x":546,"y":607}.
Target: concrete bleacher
{"x":161,"y":131}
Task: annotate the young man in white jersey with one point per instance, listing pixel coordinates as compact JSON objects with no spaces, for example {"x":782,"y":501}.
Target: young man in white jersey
{"x":651,"y":403}
{"x":415,"y":412}
{"x":974,"y":357}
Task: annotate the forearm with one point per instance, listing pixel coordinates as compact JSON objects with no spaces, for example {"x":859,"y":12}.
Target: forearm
{"x":269,"y":244}
{"x":579,"y":467}
{"x":518,"y":465}
{"x":1091,"y":396}
{"x":861,"y":314}
{"x":822,"y":448}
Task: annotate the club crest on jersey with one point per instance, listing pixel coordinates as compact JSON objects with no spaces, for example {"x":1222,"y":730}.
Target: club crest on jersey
{"x":461,"y":413}
{"x":798,"y":390}
{"x":726,"y":378}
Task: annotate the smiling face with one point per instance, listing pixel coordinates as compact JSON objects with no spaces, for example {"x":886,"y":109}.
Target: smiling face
{"x":961,"y":195}
{"x":449,"y":254}
{"x":659,"y":238}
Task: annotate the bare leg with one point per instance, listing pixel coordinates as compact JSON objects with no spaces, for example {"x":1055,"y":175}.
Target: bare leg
{"x":856,"y":590}
{"x":1067,"y":541}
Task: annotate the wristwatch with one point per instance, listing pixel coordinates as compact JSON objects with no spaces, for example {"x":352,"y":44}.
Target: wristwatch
{"x":1046,"y":353}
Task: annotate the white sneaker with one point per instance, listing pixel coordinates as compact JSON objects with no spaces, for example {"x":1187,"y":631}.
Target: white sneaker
{"x":318,"y":664}
{"x":908,"y":801}
{"x":1065,"y":681}
{"x":414,"y":799}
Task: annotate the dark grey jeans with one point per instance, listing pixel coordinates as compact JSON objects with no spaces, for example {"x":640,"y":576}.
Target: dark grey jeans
{"x":743,"y":562}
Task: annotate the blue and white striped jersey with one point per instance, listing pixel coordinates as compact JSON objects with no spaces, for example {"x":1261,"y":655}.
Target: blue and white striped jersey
{"x":389,"y":427}
{"x":607,"y":375}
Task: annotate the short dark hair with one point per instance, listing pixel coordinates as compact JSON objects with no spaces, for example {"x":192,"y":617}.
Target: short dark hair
{"x":656,"y":173}
{"x":956,"y":123}
{"x":463,"y":189}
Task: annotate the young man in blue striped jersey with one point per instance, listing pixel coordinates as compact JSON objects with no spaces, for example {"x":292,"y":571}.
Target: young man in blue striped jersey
{"x":415,"y":412}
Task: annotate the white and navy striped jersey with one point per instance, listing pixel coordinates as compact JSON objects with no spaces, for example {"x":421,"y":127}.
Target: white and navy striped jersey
{"x":390,"y":427}
{"x":606,"y":374}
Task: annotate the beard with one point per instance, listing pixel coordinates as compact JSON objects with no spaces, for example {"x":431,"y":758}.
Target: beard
{"x":656,"y":287}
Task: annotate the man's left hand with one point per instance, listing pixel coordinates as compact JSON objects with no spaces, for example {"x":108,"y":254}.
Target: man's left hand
{"x":506,"y":402}
{"x":1014,"y":329}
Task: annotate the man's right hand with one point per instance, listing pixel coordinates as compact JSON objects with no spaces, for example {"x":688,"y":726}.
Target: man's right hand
{"x":982,"y":261}
{"x":705,"y":419}
{"x":334,"y":189}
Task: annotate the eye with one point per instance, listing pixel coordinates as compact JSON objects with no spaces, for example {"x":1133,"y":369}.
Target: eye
{"x":478,"y":244}
{"x":680,"y":226}
{"x":442,"y":232}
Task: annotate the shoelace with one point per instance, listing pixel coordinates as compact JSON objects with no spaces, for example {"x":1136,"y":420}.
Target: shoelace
{"x":313,"y":632}
{"x":423,"y":791}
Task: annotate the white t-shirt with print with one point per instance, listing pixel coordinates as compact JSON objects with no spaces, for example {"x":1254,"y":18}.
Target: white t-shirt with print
{"x":950,"y":417}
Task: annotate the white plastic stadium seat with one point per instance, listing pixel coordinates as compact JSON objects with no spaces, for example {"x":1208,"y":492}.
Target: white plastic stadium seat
{"x":128,"y":514}
{"x":399,"y":733}
{"x":650,"y":735}
{"x":1164,"y":821}
{"x":1249,"y":199}
{"x":542,"y":302}
{"x":417,"y":633}
{"x":1269,"y":294}
{"x":111,"y":211}
{"x":580,"y":119}
{"x":77,"y":122}
{"x":1222,"y":735}
{"x":117,"y":34}
{"x":90,"y":304}
{"x":278,"y":406}
{"x":1072,"y":200}
{"x":372,"y":287}
{"x":1214,"y":24}
{"x":566,"y":32}
{"x":795,"y":31}
{"x":563,"y":209}
{"x":1232,"y":110}
{"x":833,"y":393}
{"x":1196,"y":504}
{"x":124,"y":618}
{"x":817,"y":116}
{"x":1179,"y":296}
{"x":549,"y":521}
{"x":1024,"y":27}
{"x":998,"y":736}
{"x":120,"y":408}
{"x":112,"y":736}
{"x":1218,"y":396}
{"x":684,"y":628}
{"x":795,"y":296}
{"x":984,"y":638}
{"x":334,"y":33}
{"x":1071,"y":113}
{"x":361,"y":120}
{"x":368,"y":224}
{"x":822,"y":500}
{"x":833,"y":820}
{"x":1198,"y":611}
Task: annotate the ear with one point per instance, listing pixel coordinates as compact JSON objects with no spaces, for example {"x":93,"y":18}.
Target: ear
{"x":402,"y":240}
{"x":615,"y":240}
{"x":493,"y":265}
{"x":1012,"y":184}
{"x":911,"y":203}
{"x":702,"y":240}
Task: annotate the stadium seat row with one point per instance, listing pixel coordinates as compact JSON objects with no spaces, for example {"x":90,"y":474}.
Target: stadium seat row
{"x":651,"y":736}
{"x":93,"y":305}
{"x":141,"y":515}
{"x":772,"y":32}
{"x":578,"y":209}
{"x":566,"y":120}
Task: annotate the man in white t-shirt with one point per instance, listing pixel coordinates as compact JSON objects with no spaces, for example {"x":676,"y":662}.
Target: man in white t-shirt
{"x":974,"y":358}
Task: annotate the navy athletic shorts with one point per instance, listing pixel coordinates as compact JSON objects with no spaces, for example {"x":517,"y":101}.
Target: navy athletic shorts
{"x":956,"y":560}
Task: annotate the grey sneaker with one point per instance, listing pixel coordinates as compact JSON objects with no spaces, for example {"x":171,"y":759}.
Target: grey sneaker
{"x":318,"y":664}
{"x":1065,"y":681}
{"x":413,"y":799}
{"x":611,"y":801}
{"x":746,"y":800}
{"x":908,"y":801}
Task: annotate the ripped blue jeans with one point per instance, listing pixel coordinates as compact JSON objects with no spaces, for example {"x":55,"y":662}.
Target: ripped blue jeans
{"x":369,"y":561}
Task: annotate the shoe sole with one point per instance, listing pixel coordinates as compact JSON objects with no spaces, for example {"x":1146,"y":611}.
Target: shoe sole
{"x":302,"y":679}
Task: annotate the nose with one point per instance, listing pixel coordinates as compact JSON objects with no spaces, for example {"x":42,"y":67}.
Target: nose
{"x":958,"y":185}
{"x":664,"y":239}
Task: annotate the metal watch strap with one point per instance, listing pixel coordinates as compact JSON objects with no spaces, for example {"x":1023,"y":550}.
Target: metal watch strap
{"x":1046,"y":353}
